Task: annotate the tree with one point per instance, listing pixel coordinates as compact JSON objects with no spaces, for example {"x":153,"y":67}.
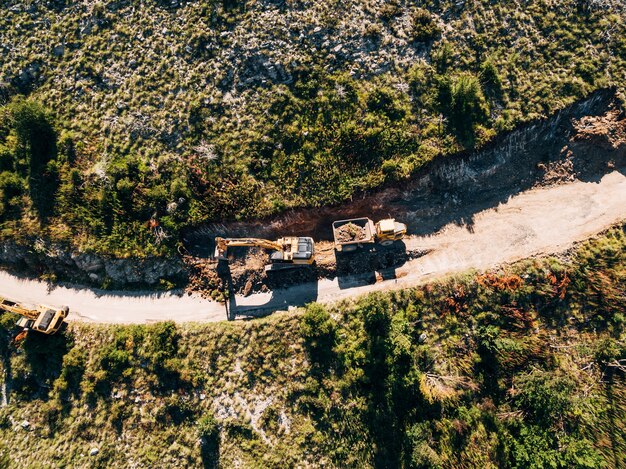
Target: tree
{"x":318,"y":330}
{"x":209,"y":433}
{"x":462,"y":101}
{"x":37,"y":145}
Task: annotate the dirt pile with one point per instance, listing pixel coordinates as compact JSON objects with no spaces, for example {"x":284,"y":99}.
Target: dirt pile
{"x":350,"y":232}
{"x":608,"y":131}
{"x":245,"y":274}
{"x":596,"y":146}
{"x":204,"y":279}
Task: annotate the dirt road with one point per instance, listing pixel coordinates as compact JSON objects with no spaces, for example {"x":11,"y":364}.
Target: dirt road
{"x":537,"y":221}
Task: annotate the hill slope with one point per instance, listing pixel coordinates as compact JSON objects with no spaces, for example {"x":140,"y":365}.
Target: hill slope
{"x":160,"y":116}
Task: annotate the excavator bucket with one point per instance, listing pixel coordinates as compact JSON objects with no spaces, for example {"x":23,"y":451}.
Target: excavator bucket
{"x":20,"y":337}
{"x":219,"y":254}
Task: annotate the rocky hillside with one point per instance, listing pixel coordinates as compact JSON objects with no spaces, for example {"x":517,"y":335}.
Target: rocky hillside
{"x":522,"y":367}
{"x":126,"y":123}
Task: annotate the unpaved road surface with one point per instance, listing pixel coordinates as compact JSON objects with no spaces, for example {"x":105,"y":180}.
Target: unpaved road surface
{"x":542,"y":220}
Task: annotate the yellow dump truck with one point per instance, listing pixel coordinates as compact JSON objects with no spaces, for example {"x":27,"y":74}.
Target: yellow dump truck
{"x":358,"y":232}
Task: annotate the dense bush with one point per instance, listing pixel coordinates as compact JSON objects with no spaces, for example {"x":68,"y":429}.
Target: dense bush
{"x":318,"y":330}
{"x":461,"y":100}
{"x":36,"y":147}
{"x":424,"y":26}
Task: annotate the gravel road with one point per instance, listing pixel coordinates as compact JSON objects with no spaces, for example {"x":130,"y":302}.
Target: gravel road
{"x":537,"y":221}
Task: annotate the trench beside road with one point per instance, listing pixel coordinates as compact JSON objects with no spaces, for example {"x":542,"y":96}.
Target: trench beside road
{"x":538,"y":221}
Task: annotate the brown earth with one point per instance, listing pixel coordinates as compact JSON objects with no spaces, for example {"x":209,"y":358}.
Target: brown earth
{"x":350,"y":232}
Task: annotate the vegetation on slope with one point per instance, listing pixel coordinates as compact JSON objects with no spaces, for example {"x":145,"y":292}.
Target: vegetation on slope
{"x":168,"y":115}
{"x":518,"y":368}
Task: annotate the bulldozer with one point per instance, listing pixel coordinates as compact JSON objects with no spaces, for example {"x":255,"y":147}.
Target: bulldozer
{"x":43,"y":319}
{"x":290,"y":251}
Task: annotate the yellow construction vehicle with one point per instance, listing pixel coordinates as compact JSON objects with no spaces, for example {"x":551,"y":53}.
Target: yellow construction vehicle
{"x":44,"y":319}
{"x":359,"y":232}
{"x":289,"y":251}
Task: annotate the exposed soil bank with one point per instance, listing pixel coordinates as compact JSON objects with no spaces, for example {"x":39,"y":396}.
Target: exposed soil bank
{"x":452,"y":188}
{"x":584,"y":142}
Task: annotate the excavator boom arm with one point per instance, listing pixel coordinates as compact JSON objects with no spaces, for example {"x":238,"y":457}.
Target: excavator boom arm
{"x":11,"y":307}
{"x":291,"y":249}
{"x":224,"y":243}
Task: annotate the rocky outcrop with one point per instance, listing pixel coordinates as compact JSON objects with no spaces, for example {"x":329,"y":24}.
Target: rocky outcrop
{"x":42,"y":258}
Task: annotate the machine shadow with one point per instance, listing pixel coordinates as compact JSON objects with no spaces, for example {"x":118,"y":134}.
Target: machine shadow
{"x":275,"y":300}
{"x":369,"y":265}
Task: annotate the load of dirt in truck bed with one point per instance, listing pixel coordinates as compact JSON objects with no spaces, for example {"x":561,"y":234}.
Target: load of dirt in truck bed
{"x":350,"y":232}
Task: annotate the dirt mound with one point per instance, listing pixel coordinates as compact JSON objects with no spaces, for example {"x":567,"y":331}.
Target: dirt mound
{"x":596,"y":146}
{"x":204,"y":279}
{"x":243,"y":274}
{"x":350,"y":232}
{"x":608,"y":131}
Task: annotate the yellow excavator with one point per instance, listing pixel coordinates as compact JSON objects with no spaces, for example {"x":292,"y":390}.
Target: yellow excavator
{"x":290,"y":251}
{"x":44,"y":319}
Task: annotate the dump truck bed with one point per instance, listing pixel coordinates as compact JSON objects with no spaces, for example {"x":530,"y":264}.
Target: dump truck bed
{"x":353,"y":232}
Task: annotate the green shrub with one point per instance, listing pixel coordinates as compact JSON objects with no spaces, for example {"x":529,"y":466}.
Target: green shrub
{"x":546,"y":397}
{"x":5,"y":456}
{"x":390,"y":9}
{"x":11,"y":188}
{"x":115,"y":362}
{"x":385,"y":101}
{"x":208,"y":428}
{"x":461,"y":100}
{"x":424,"y":27}
{"x":7,"y":159}
{"x":5,"y":420}
{"x":162,"y":341}
{"x":36,"y":144}
{"x":489,"y":79}
{"x":35,"y":133}
{"x":318,"y":331}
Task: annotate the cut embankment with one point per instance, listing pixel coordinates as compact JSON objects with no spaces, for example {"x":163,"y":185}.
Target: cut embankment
{"x":581,"y":144}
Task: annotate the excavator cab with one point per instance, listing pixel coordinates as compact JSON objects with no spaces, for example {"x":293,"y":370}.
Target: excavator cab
{"x":296,"y":250}
{"x":48,"y":321}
